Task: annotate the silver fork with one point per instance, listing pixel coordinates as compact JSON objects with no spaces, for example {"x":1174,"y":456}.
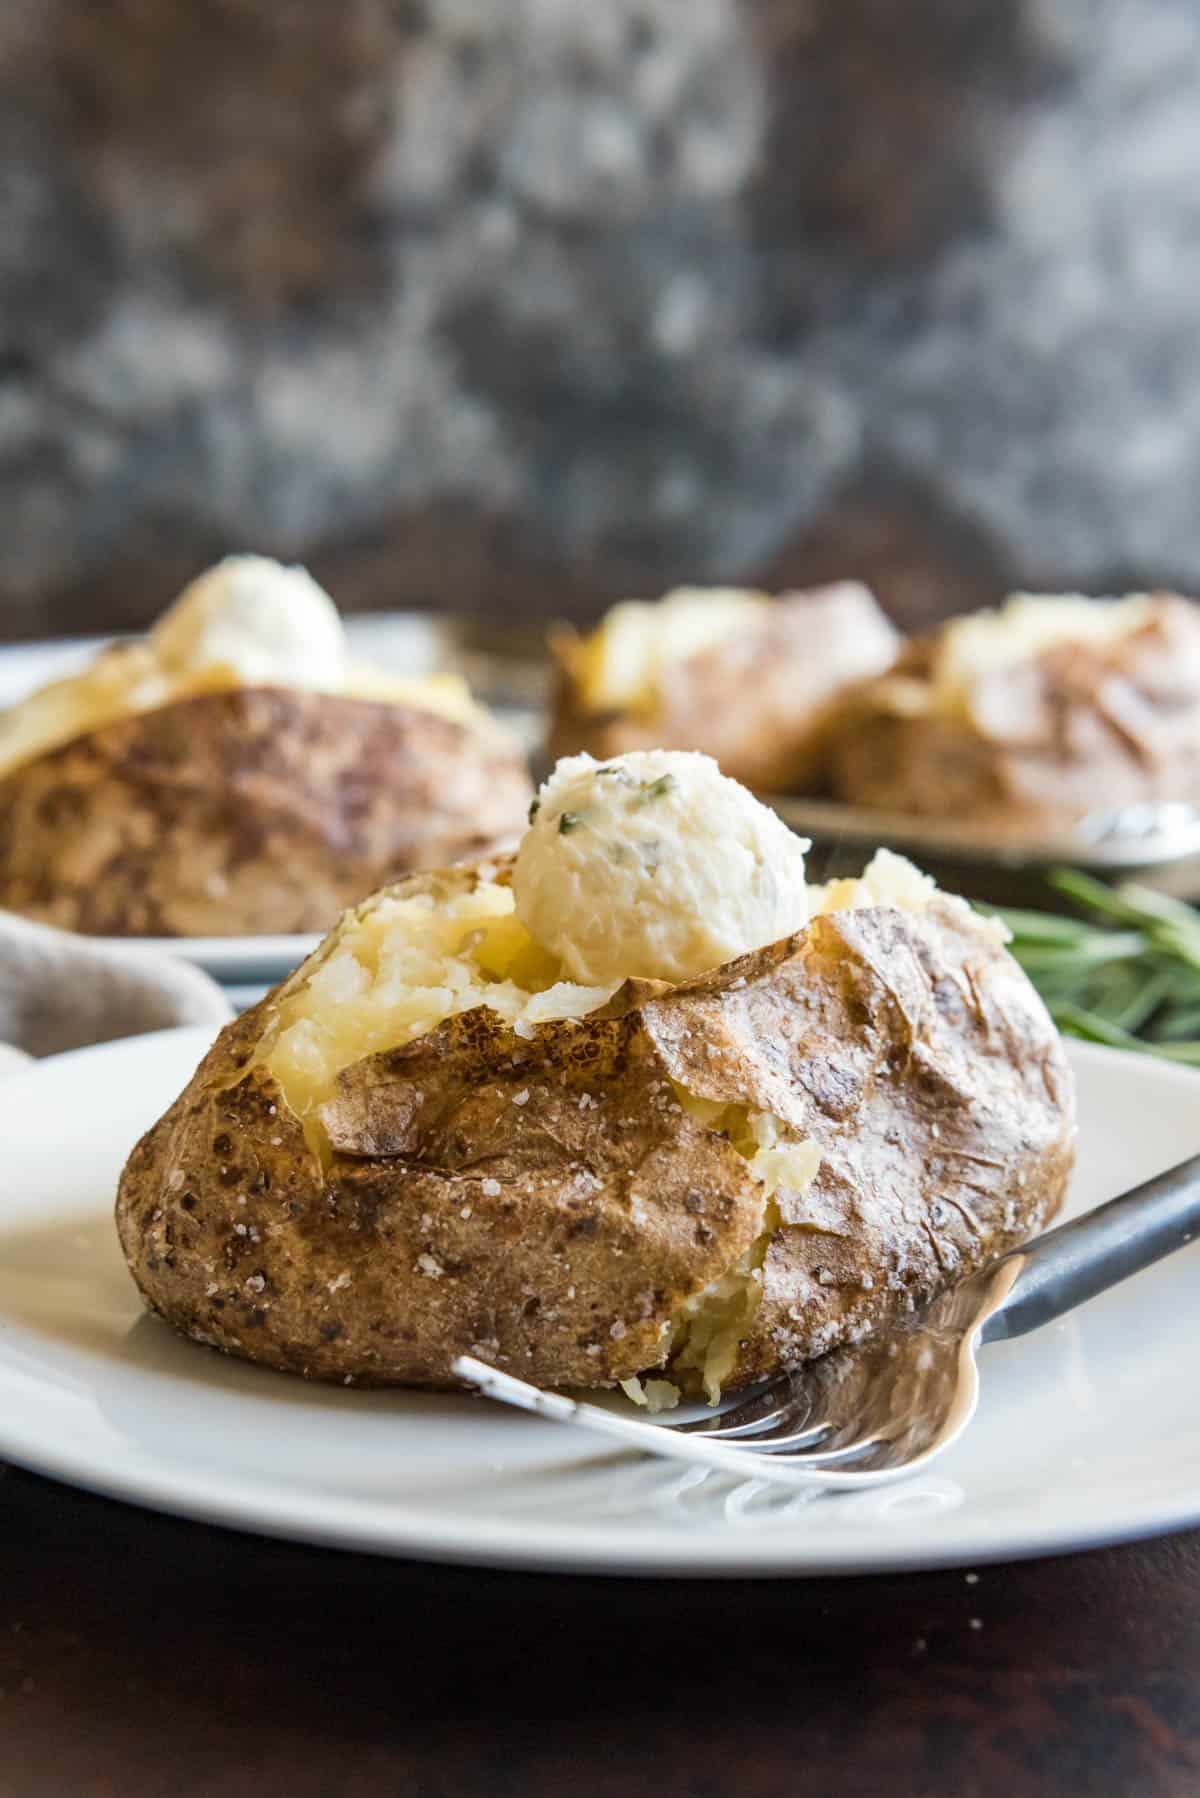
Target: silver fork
{"x":877,"y":1412}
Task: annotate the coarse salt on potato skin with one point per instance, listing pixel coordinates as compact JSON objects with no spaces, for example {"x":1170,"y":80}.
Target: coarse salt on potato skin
{"x":544,"y":1202}
{"x":471,"y":1199}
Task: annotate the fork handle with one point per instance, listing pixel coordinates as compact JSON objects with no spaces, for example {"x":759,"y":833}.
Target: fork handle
{"x":1069,"y":1265}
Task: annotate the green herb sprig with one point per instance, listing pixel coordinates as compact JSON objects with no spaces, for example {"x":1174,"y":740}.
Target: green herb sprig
{"x":1126,"y":972}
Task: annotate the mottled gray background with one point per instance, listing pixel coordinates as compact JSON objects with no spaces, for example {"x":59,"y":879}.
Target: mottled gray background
{"x":520,"y":306}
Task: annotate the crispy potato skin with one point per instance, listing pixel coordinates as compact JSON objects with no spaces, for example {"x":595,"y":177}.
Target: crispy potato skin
{"x":761,"y":704}
{"x":546,"y":1204}
{"x":1047,"y":741}
{"x":916,"y":1054}
{"x":254,"y":811}
{"x":400,"y":1255}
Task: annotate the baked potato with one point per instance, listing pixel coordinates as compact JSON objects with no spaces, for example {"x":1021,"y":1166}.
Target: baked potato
{"x":1027,"y":719}
{"x":750,"y":680}
{"x":245,"y":780}
{"x":432,"y":1140}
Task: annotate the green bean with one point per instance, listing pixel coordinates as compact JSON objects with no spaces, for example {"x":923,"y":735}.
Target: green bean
{"x":1147,"y":995}
{"x":1078,"y":1022}
{"x":1177,"y":1024}
{"x":1125,"y":971}
{"x":1040,"y":926}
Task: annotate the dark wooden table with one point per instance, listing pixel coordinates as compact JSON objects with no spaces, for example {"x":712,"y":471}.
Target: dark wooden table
{"x":139,"y":1656}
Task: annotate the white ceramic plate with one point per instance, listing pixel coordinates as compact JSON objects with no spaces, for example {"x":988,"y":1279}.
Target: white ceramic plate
{"x":1088,"y":1432}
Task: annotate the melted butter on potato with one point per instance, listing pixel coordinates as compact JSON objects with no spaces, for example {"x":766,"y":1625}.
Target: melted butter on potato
{"x":655,"y":865}
{"x":618,"y":666}
{"x":258,"y":619}
{"x":247,"y":622}
{"x":124,"y":679}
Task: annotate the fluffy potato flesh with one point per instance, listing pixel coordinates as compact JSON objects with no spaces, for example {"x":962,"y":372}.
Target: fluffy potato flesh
{"x":399,"y":967}
{"x":713,"y":1324}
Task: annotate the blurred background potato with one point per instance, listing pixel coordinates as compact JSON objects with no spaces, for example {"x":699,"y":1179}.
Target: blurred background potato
{"x":517,"y":308}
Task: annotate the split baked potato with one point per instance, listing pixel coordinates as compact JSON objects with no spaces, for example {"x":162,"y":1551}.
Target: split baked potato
{"x":751,"y":680}
{"x":233,"y":774}
{"x":435,"y":1139}
{"x":1027,"y":719}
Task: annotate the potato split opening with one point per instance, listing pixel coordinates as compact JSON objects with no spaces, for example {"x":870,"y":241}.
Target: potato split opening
{"x":713,"y":1323}
{"x":396,"y":969}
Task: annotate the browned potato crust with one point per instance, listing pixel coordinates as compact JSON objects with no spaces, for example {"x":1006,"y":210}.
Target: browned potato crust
{"x":1077,"y":729}
{"x":548,"y":1205}
{"x":258,"y":810}
{"x":760,"y":703}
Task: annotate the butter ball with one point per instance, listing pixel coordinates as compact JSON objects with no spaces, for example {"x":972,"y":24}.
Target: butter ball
{"x":267,"y":623}
{"x":654,"y":865}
